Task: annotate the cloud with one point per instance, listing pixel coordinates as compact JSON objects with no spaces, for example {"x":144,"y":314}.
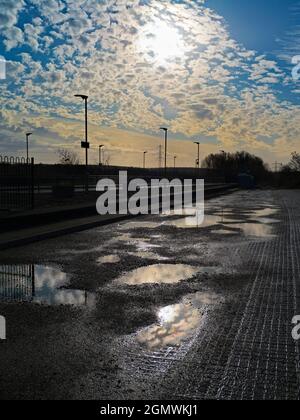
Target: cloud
{"x":9,"y":10}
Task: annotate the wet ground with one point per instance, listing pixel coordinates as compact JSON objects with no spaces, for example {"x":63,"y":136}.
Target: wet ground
{"x":158,"y":307}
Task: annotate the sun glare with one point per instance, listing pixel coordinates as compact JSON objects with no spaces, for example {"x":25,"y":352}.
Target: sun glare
{"x":161,"y":42}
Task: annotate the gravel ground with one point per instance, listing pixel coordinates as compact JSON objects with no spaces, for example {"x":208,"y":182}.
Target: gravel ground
{"x":216,"y":323}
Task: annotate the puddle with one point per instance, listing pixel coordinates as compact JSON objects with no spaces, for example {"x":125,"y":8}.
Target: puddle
{"x":255,"y":229}
{"x":179,"y":212}
{"x":158,"y":274}
{"x":194,"y":222}
{"x":265,"y":212}
{"x":224,"y":232}
{"x":140,"y":225}
{"x":267,"y":221}
{"x":143,"y":246}
{"x":148,"y":255}
{"x":164,"y":274}
{"x":177,"y":323}
{"x":209,"y":220}
{"x":109,"y":259}
{"x":39,"y":284}
{"x":126,"y":237}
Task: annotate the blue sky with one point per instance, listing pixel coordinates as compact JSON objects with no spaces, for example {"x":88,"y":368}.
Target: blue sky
{"x":217,"y":70}
{"x":257,"y":24}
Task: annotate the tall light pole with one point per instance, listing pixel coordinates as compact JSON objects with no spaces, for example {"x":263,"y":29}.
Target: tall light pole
{"x":166,"y":146}
{"x":100,"y":154}
{"x":198,"y":144}
{"x":27,"y":145}
{"x":85,"y":145}
{"x":144,"y":159}
{"x":175,"y":157}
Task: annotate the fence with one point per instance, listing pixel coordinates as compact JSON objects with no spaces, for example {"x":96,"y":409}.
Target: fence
{"x":17,"y":283}
{"x":16,"y":183}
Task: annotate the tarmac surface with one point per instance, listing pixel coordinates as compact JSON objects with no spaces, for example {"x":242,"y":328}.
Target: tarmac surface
{"x":159,"y":307}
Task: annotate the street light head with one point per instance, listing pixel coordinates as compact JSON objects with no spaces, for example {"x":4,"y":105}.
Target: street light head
{"x":28,"y":134}
{"x":197,"y":142}
{"x":81,"y":96}
{"x":164,"y":128}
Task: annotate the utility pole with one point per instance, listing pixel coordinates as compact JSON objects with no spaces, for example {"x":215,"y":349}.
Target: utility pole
{"x":166,"y":146}
{"x":27,"y":146}
{"x":198,"y":159}
{"x":277,"y":165}
{"x":100,"y":154}
{"x":144,"y":160}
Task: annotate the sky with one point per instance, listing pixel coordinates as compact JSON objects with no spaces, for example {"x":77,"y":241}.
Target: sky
{"x":222,"y":72}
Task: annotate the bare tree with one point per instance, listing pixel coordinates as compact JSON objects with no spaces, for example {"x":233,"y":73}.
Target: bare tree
{"x":68,"y":157}
{"x":294,"y":163}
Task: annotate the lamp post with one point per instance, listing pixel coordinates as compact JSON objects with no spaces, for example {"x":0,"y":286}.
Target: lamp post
{"x":144,"y":159}
{"x":100,"y":154}
{"x":175,"y":157}
{"x":85,"y":145}
{"x":27,"y":145}
{"x":198,"y":161}
{"x":166,"y":146}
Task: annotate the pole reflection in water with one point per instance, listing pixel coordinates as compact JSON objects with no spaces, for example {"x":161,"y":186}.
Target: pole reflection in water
{"x":39,"y":284}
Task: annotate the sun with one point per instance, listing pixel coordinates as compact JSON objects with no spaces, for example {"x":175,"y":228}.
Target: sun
{"x":161,"y":42}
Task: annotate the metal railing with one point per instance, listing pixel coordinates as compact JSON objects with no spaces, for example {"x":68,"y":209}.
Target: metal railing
{"x":16,"y":183}
{"x":17,"y":283}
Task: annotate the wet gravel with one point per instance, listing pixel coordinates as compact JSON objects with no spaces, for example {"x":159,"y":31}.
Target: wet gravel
{"x":95,"y":350}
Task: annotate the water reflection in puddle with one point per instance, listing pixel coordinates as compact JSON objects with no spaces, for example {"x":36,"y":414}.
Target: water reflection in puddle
{"x":148,"y":255}
{"x":177,"y":323}
{"x":253,"y":222}
{"x":39,"y":284}
{"x":140,"y":225}
{"x":249,"y":213}
{"x":158,"y":274}
{"x":194,"y":222}
{"x":164,"y":274}
{"x":224,"y":232}
{"x":267,"y":221}
{"x":265,"y":212}
{"x":109,"y":259}
{"x":255,"y":229}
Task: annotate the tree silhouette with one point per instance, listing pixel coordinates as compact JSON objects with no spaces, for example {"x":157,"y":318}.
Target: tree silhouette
{"x":294,"y":164}
{"x":68,"y":157}
{"x":233,"y":164}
